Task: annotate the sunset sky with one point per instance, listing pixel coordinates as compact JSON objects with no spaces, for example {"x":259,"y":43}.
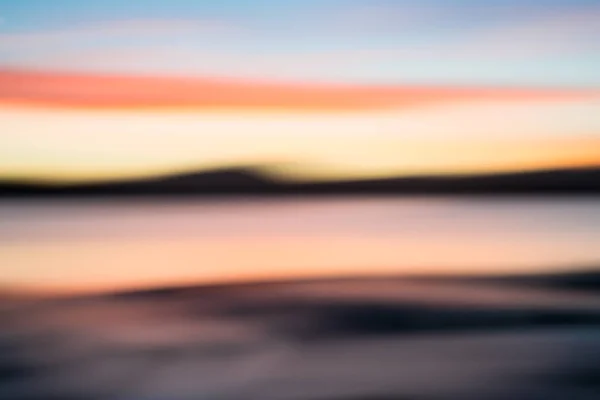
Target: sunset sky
{"x":315,"y":89}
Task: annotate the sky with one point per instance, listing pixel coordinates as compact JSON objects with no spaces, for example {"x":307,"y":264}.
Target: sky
{"x":319,"y":89}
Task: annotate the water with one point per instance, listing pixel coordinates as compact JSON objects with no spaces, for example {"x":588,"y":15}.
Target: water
{"x":303,"y":342}
{"x":334,"y":340}
{"x":100,"y":243}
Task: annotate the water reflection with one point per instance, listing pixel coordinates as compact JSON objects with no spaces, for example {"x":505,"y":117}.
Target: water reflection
{"x":179,"y":242}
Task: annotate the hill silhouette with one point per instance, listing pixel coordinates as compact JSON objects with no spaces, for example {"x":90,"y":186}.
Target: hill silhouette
{"x":226,"y":180}
{"x":250,"y":180}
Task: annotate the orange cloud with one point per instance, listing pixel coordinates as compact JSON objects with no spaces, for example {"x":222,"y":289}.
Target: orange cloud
{"x":108,"y":91}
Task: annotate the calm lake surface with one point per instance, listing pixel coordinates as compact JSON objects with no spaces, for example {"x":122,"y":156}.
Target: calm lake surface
{"x":306,"y":340}
{"x":97,"y":243}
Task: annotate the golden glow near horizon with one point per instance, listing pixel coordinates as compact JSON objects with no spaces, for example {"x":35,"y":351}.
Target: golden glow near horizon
{"x":73,"y":144}
{"x":77,"y":127}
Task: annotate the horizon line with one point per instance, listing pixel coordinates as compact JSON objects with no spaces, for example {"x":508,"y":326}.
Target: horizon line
{"x":271,"y":172}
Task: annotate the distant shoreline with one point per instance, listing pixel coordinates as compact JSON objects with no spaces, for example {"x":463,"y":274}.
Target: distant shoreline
{"x":250,"y":182}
